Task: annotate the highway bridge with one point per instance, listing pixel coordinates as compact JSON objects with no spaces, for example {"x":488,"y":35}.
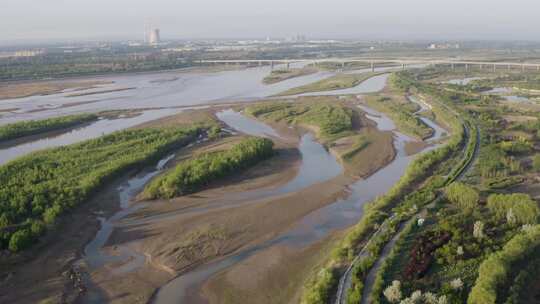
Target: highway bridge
{"x":373,"y":62}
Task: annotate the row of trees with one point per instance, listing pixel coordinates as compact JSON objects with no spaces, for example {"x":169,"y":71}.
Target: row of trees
{"x":191,"y":175}
{"x":319,"y":290}
{"x":39,"y":187}
{"x":58,"y":65}
{"x":515,"y":208}
{"x":31,"y":127}
{"x":463,"y":196}
{"x":495,"y":270}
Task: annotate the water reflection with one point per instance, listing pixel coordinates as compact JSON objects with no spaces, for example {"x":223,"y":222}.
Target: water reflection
{"x":94,"y":130}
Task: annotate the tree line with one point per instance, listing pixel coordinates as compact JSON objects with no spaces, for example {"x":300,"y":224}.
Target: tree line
{"x":36,"y":189}
{"x":32,"y":127}
{"x":192,"y":175}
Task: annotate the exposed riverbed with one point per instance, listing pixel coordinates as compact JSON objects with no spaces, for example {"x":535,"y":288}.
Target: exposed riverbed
{"x":315,"y":226}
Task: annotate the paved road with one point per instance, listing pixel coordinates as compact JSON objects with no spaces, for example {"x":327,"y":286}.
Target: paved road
{"x":346,"y":280}
{"x":401,"y":61}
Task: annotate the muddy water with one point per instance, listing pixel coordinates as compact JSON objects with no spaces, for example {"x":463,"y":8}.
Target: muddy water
{"x":464,"y":81}
{"x":317,"y":166}
{"x":94,"y":130}
{"x":94,"y":256}
{"x":316,"y":226}
{"x":245,"y":124}
{"x":172,"y":89}
{"x":370,"y":85}
{"x":150,"y":90}
{"x":438,"y":130}
{"x":158,"y":90}
{"x":507,"y":93}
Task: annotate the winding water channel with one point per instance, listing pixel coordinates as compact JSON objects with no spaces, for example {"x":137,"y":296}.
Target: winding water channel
{"x":187,"y":89}
{"x":315,"y":226}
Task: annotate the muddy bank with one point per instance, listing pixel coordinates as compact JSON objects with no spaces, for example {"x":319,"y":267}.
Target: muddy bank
{"x":46,"y":271}
{"x":26,"y":89}
{"x":259,"y":279}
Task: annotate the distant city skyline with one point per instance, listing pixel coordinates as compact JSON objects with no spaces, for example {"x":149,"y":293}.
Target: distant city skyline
{"x":30,"y":20}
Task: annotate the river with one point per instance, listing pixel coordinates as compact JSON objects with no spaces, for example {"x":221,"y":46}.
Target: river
{"x":315,"y":226}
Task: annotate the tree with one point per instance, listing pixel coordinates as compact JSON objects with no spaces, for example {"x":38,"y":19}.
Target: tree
{"x":393,"y":292}
{"x":536,"y":162}
{"x":478,"y":230}
{"x":462,"y":196}
{"x":20,"y":240}
{"x":516,"y":208}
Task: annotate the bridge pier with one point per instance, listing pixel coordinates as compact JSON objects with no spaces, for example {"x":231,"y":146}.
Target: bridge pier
{"x":372,"y":66}
{"x":403,"y":66}
{"x":272,"y":65}
{"x":288,"y":65}
{"x":466,"y":67}
{"x":508,"y":67}
{"x":494,"y":67}
{"x":453,"y":67}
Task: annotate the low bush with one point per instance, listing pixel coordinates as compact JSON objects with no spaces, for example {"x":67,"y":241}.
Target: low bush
{"x":191,"y":175}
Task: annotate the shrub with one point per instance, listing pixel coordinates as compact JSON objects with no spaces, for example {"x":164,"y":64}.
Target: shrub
{"x":25,"y":128}
{"x":523,"y":208}
{"x":494,"y":271}
{"x":43,"y":185}
{"x":191,"y":175}
{"x":393,"y":292}
{"x":462,"y":196}
{"x":20,"y":240}
{"x":536,"y":162}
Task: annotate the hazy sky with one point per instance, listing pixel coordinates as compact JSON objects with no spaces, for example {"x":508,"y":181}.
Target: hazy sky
{"x":365,"y":19}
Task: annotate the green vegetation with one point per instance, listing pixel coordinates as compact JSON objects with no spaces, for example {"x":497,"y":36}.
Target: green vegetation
{"x":373,"y":249}
{"x":281,"y":75}
{"x":536,"y":162}
{"x":58,"y":64}
{"x":337,"y":82}
{"x":516,"y":208}
{"x":520,"y":290}
{"x":462,"y":196}
{"x":403,"y":197}
{"x":332,"y":120}
{"x":458,"y":247}
{"x":192,"y":175}
{"x":494,"y":272}
{"x":402,"y":114}
{"x":32,"y":127}
{"x":36,"y":189}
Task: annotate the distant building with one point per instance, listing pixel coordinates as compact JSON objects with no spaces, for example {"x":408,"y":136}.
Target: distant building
{"x":154,"y":37}
{"x":297,"y":38}
{"x":443,"y":46}
{"x":22,"y":53}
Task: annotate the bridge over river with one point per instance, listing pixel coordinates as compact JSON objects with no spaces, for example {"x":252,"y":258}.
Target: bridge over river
{"x":373,"y":62}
